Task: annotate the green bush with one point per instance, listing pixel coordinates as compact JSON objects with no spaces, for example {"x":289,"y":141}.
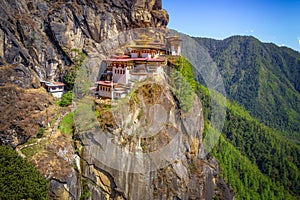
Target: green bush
{"x":66,"y":99}
{"x":66,"y":125}
{"x":18,"y":178}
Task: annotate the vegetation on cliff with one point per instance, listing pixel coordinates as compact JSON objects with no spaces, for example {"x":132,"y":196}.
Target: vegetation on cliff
{"x":72,"y":72}
{"x":183,"y":82}
{"x":66,"y":125}
{"x":66,"y":99}
{"x":18,"y":178}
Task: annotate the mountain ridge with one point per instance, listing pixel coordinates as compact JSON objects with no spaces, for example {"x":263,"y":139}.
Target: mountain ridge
{"x":262,"y":77}
{"x":248,"y":36}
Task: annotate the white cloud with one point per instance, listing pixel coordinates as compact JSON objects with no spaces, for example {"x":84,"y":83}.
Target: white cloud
{"x":299,"y":41}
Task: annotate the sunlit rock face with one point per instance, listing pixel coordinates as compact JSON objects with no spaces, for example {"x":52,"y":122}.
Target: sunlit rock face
{"x":41,"y":34}
{"x":148,"y":149}
{"x":146,"y":146}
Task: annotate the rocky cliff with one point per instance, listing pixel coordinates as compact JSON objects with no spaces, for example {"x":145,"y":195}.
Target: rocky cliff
{"x":37,"y":38}
{"x":40,"y":34}
{"x":146,"y":147}
{"x":38,"y":41}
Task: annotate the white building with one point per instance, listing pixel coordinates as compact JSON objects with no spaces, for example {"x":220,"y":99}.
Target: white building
{"x":55,"y":88}
{"x":105,"y":89}
{"x":143,"y":62}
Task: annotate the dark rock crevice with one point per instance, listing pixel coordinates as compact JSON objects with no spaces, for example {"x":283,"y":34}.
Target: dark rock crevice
{"x":113,"y":186}
{"x":62,"y":184}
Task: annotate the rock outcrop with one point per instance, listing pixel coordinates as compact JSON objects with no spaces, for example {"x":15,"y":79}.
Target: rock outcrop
{"x":147,"y":147}
{"x":41,"y":34}
{"x":37,"y":38}
{"x":153,"y":155}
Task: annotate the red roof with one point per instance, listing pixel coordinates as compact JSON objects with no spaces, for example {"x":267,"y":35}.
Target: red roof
{"x":135,"y":59}
{"x":106,"y":83}
{"x":120,"y":59}
{"x":58,"y":83}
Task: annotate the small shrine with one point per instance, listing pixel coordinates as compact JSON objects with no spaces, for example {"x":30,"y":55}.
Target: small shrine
{"x":105,"y":88}
{"x":55,"y":88}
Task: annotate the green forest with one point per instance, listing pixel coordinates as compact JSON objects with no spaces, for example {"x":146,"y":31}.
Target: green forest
{"x":18,"y":178}
{"x":257,"y":161}
{"x":261,"y":77}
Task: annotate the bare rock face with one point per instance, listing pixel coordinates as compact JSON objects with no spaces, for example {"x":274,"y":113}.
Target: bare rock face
{"x":41,"y":34}
{"x":56,"y":163}
{"x":146,"y":147}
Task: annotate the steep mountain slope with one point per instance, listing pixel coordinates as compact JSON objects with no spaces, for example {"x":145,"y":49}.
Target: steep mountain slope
{"x":257,"y":161}
{"x":262,"y":77}
{"x":248,"y":143}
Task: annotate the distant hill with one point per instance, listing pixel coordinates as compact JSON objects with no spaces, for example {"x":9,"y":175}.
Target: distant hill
{"x":262,"y":77}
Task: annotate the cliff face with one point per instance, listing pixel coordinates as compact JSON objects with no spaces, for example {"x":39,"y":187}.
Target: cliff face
{"x":37,"y":42}
{"x":40,"y":34}
{"x":37,"y":39}
{"x":146,"y":147}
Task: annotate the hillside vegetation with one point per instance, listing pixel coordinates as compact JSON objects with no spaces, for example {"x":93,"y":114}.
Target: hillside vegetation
{"x":262,"y":77}
{"x":18,"y":178}
{"x":245,"y":138}
{"x":256,"y":160}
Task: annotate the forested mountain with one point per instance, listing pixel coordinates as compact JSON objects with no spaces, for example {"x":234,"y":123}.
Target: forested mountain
{"x":262,"y":77}
{"x":256,"y":160}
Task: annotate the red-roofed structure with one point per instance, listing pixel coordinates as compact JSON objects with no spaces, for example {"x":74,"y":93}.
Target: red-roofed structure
{"x":105,"y":88}
{"x":58,"y":84}
{"x":124,"y":70}
{"x":55,"y":88}
{"x":106,"y":83}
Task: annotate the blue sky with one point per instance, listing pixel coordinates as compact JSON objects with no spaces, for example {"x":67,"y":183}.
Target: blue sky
{"x":276,"y":21}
